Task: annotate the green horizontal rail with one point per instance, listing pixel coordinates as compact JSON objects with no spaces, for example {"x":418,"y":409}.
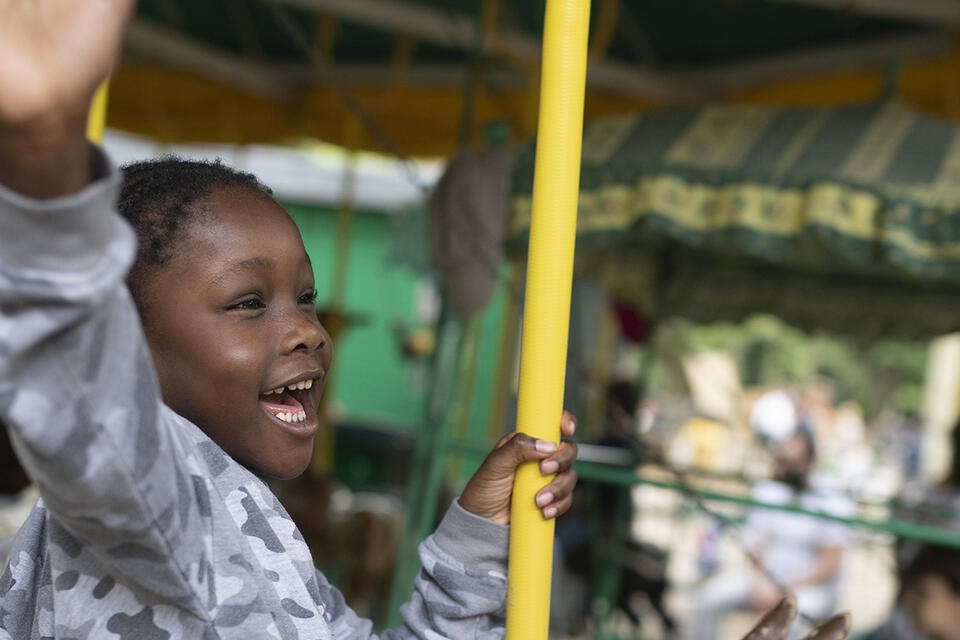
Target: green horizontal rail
{"x":626,"y":476}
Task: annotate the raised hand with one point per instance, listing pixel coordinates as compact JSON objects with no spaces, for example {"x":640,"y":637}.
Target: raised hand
{"x":776,"y":623}
{"x":54,"y":53}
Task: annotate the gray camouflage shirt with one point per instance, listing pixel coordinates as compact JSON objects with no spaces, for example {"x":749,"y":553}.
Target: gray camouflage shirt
{"x":146,"y":529}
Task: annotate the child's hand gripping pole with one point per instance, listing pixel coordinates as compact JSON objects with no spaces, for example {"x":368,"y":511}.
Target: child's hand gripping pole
{"x":547,"y":303}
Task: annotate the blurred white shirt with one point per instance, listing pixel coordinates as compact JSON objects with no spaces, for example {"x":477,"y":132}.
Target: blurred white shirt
{"x":791,"y":542}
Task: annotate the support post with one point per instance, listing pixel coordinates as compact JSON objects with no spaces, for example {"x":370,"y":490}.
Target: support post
{"x":547,"y":304}
{"x":97,"y":118}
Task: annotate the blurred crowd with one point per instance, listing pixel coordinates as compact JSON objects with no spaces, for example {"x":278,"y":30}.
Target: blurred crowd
{"x":808,"y":468}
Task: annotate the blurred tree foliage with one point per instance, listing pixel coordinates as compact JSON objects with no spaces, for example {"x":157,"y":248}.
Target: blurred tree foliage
{"x":880,"y":375}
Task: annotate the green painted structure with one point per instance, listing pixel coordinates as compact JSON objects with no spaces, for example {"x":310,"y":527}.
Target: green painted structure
{"x":371,"y":381}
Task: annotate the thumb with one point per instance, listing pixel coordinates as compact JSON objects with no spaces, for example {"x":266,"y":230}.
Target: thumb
{"x":488,"y":492}
{"x":516,"y":448}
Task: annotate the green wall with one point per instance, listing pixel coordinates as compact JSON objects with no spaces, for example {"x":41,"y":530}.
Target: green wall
{"x":370,"y":378}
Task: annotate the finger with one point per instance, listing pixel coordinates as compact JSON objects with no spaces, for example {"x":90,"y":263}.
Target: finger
{"x":544,"y":447}
{"x":562,"y":460}
{"x":568,"y":424}
{"x":776,"y":623}
{"x":518,"y":447}
{"x":504,"y":440}
{"x":557,"y":508}
{"x":561,"y":487}
{"x":834,"y":629}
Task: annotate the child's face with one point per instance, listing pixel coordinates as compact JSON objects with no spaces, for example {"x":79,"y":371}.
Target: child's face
{"x":232,"y":318}
{"x":934,"y":606}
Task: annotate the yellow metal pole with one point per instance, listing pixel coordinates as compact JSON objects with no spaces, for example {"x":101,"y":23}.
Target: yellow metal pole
{"x":97,"y":119}
{"x":547,"y":304}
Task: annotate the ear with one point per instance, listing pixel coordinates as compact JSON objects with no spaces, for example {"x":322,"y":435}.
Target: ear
{"x":776,"y":623}
{"x":835,"y":628}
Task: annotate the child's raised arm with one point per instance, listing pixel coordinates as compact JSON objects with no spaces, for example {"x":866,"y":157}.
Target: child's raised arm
{"x":55,"y":53}
{"x":77,"y":388}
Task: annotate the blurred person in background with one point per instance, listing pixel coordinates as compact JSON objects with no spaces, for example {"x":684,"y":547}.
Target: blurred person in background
{"x":931,"y":592}
{"x":939,"y":507}
{"x":791,"y":552}
{"x":941,"y":502}
{"x":605,"y":511}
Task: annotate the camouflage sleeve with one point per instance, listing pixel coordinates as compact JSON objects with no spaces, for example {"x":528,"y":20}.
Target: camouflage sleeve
{"x":460,"y":593}
{"x":77,"y":390}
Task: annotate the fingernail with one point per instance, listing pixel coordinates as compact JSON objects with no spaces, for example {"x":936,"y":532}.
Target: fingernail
{"x":544,"y":498}
{"x":549,"y":466}
{"x":549,"y":512}
{"x":545,"y":446}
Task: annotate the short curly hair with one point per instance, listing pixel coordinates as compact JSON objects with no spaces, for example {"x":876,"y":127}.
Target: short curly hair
{"x":158,"y":198}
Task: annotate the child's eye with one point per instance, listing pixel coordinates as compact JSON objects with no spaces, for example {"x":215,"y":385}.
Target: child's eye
{"x":308,"y":298}
{"x":248,"y":304}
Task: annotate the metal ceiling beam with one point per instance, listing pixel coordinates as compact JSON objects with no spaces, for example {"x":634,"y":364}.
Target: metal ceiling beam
{"x":938,"y":13}
{"x":689,"y":86}
{"x":457,"y":31}
{"x":149,"y":41}
{"x":146,"y":41}
{"x":812,"y":60}
{"x":647,"y":82}
{"x":453,"y":30}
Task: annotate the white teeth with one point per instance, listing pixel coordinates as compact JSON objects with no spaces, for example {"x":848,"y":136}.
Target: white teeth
{"x":299,"y":416}
{"x":296,"y":386}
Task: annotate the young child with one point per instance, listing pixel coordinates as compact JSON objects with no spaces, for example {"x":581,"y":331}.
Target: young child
{"x":930,"y":591}
{"x":147,"y":441}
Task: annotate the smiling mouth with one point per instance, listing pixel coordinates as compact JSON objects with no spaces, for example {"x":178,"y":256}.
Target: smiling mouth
{"x":293,"y":406}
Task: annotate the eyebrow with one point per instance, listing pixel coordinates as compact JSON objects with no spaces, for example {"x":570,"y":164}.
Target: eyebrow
{"x":243,"y":266}
{"x":251,"y":264}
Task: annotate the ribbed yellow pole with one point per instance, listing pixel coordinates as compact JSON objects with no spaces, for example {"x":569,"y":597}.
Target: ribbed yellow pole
{"x":547,"y":304}
{"x":97,"y":119}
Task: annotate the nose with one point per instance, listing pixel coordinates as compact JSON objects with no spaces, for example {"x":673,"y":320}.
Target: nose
{"x":304,"y":333}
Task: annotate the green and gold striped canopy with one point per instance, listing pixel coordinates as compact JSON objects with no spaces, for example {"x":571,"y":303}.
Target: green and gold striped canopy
{"x":845,"y":219}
